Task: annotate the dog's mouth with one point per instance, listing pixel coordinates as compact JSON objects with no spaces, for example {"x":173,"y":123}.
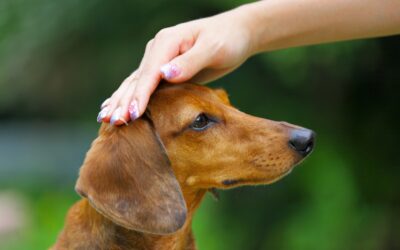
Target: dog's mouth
{"x":265,"y":175}
{"x":230,"y":183}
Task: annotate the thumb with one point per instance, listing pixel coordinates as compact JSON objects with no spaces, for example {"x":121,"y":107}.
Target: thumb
{"x":186,"y":65}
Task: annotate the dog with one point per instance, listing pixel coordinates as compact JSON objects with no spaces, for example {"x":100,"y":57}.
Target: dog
{"x":141,"y":184}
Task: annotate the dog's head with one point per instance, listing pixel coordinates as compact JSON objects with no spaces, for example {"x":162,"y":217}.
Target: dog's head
{"x":191,"y":138}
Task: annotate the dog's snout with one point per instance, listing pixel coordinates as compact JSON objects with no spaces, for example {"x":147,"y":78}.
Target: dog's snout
{"x":302,"y":140}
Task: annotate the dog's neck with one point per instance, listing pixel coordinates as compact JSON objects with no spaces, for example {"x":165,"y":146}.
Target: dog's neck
{"x":193,"y":198}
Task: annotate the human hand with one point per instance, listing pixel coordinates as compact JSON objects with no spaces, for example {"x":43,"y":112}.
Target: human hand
{"x":198,"y":51}
{"x":205,"y":49}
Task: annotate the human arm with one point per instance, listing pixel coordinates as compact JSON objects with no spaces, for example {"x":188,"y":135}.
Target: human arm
{"x":206,"y":49}
{"x":291,"y":23}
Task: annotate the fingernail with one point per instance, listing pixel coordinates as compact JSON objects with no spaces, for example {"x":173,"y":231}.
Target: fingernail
{"x":105,"y":103}
{"x":103,"y":113}
{"x":133,"y":110}
{"x":116,"y":115}
{"x":170,"y":71}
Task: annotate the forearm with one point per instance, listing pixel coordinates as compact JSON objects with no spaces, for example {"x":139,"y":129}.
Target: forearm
{"x":277,"y":24}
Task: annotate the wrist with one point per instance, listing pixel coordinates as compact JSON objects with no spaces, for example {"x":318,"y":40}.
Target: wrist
{"x":252,"y":19}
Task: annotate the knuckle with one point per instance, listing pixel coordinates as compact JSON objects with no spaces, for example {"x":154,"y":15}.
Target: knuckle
{"x":127,"y":79}
{"x":149,"y":44}
{"x":163,"y":33}
{"x":115,"y":97}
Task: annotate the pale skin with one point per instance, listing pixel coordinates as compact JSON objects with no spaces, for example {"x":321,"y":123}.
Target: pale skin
{"x":206,"y":49}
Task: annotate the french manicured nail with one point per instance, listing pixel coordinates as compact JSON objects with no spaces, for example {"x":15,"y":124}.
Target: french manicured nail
{"x":103,"y":113}
{"x":133,"y":110}
{"x":116,"y":116}
{"x":105,"y":103}
{"x":170,"y":71}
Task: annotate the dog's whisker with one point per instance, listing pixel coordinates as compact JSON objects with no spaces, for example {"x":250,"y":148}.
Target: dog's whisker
{"x":214,"y":193}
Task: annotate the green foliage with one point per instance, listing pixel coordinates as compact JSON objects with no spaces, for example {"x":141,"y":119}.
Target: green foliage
{"x":60,"y":59}
{"x":47,"y":210}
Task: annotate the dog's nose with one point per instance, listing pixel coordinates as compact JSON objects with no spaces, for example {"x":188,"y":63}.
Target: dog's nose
{"x":302,"y":140}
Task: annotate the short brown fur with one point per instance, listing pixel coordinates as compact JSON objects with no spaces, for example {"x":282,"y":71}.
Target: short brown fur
{"x":142,"y":183}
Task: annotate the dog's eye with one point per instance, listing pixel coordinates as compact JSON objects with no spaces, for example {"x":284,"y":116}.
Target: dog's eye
{"x":201,"y":122}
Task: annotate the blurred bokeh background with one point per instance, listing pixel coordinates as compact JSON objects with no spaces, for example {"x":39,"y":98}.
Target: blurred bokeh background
{"x":60,"y":59}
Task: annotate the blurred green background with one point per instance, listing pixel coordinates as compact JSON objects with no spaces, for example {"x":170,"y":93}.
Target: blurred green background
{"x":60,"y":59}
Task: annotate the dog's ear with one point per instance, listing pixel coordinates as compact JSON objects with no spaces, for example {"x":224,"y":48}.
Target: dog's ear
{"x":127,"y":177}
{"x":221,"y":93}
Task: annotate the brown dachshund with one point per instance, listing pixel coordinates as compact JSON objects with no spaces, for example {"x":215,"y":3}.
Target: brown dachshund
{"x":142,"y":183}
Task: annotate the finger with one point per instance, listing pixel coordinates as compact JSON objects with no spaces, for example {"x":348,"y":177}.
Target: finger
{"x":107,"y":112}
{"x":185,"y":66}
{"x":123,"y":116}
{"x":163,"y":50}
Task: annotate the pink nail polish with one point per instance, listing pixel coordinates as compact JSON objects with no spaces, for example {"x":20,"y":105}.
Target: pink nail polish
{"x":102,"y":114}
{"x":133,"y":110}
{"x":116,"y":116}
{"x":170,"y":71}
